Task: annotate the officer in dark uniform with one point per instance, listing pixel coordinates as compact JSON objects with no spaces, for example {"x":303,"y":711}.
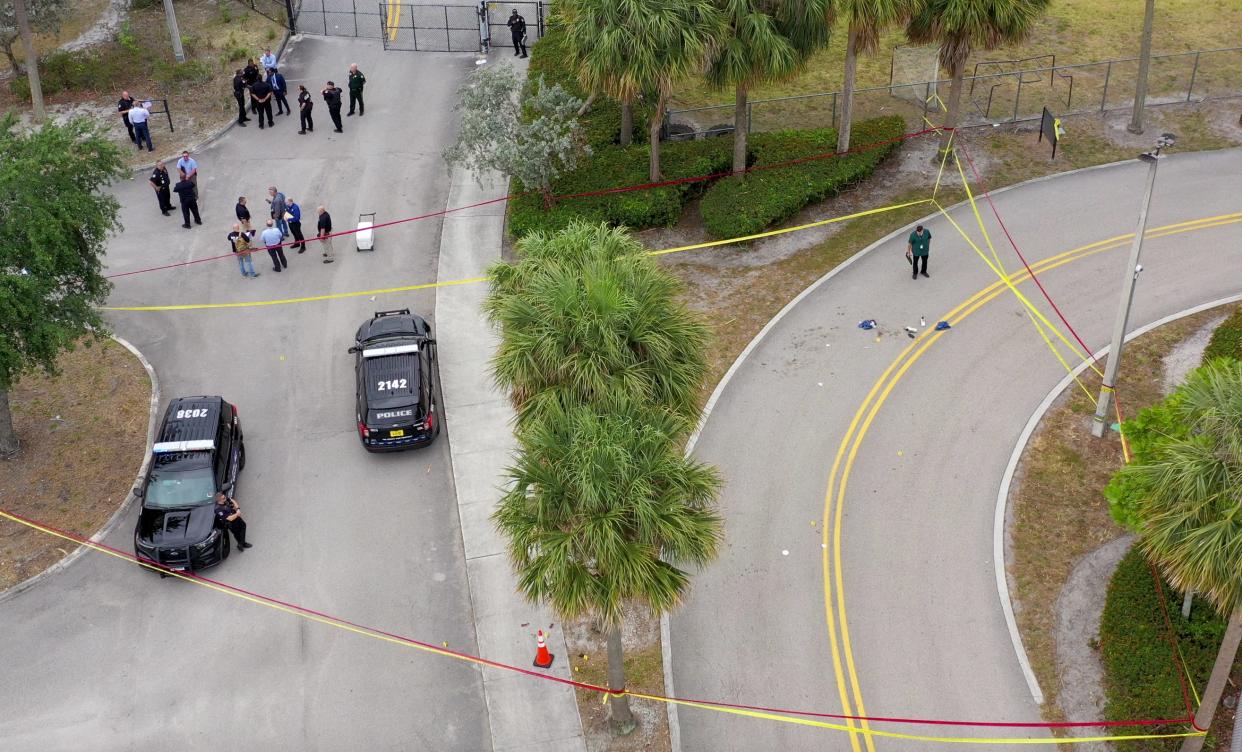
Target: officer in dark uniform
{"x":517,"y":27}
{"x":332,"y":97}
{"x":250,"y":74}
{"x":159,"y":182}
{"x":228,"y":517}
{"x":123,"y":106}
{"x":239,"y":89}
{"x":188,"y":194}
{"x":305,"y":105}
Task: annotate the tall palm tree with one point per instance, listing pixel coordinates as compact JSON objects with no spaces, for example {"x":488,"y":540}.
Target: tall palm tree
{"x":866,"y":19}
{"x":597,"y":43}
{"x":631,"y":47}
{"x":961,"y":26}
{"x":602,"y":509}
{"x":764,"y":40}
{"x":1191,"y":513}
{"x":585,"y":311}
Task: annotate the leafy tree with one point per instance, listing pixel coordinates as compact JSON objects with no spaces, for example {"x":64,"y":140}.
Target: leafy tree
{"x":585,"y":312}
{"x":54,"y":222}
{"x":961,"y":26}
{"x":1190,"y":516}
{"x":764,"y":40}
{"x":865,"y":20}
{"x":632,"y":47}
{"x":603,"y":507}
{"x":495,"y":136}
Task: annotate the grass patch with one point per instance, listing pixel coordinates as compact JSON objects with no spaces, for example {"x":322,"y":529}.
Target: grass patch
{"x":1140,"y":666}
{"x":1226,"y":341}
{"x":1075,"y":31}
{"x":83,"y":437}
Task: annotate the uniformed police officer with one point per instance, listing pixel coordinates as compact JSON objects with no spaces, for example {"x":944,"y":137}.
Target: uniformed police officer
{"x":228,"y":517}
{"x":356,"y":82}
{"x":517,"y":27}
{"x":332,"y":97}
{"x":159,"y":181}
{"x":239,"y":93}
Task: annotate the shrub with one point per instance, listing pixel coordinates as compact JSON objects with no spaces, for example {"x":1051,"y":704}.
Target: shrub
{"x":615,"y":166}
{"x":172,"y":74}
{"x":1142,"y":432}
{"x":1140,"y":679}
{"x":1226,"y":341}
{"x":732,"y":208}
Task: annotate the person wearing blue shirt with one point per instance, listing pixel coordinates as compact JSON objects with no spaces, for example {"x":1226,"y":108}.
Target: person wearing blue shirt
{"x":295,"y":224}
{"x":272,"y":238}
{"x":267,"y":60}
{"x":279,"y":89}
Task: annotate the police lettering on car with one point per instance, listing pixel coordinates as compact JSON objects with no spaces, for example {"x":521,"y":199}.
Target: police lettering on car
{"x":396,"y":378}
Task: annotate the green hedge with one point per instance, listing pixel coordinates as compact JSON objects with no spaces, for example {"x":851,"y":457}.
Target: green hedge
{"x":1226,"y":341}
{"x":1139,"y":678}
{"x":732,"y":208}
{"x":614,"y":166}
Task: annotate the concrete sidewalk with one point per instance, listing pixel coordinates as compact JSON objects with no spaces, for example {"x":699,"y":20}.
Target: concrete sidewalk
{"x":525,"y":713}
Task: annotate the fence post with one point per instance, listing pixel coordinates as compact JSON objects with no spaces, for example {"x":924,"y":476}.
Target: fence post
{"x":927,"y":99}
{"x":539,"y":15}
{"x":1017,"y":101}
{"x":1193,"y":72}
{"x":355,"y":7}
{"x":289,"y":14}
{"x":1108,"y":74}
{"x":834,"y":110}
{"x":750,"y":117}
{"x":168,"y":112}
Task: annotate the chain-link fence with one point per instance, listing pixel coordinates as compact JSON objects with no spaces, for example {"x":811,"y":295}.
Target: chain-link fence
{"x":1005,"y":96}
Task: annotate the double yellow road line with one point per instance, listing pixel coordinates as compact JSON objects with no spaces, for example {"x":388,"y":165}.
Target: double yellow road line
{"x":847,"y":451}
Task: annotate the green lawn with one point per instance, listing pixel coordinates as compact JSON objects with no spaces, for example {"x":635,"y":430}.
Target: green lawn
{"x":1076,"y":31}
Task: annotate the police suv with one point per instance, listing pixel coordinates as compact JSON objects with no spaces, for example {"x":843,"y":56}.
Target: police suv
{"x":396,"y":375}
{"x":198,"y":452}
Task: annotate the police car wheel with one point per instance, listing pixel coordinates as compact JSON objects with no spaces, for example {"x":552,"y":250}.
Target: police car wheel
{"x":225,"y":546}
{"x":241,"y":462}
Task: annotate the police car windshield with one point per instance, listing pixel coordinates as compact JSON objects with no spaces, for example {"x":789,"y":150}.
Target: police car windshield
{"x":180,"y":487}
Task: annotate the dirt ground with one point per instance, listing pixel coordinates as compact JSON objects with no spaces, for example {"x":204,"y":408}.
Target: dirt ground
{"x":83,"y":437}
{"x":644,"y":669}
{"x":218,"y":34}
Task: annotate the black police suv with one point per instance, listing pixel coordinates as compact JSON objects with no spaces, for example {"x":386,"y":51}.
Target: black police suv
{"x":396,"y":372}
{"x":198,"y":451}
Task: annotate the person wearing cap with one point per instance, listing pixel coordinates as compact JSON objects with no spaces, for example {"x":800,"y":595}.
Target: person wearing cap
{"x":918,"y":249}
{"x":517,"y":27}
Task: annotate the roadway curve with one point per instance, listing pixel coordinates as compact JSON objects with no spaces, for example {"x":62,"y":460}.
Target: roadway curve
{"x":107,"y":656}
{"x":905,"y":560}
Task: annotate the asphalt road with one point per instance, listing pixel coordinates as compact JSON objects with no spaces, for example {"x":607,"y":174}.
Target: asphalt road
{"x":107,"y":656}
{"x":925,"y":628}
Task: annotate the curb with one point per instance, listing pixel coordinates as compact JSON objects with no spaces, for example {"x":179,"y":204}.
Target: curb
{"x":119,"y":514}
{"x":674,"y":726}
{"x":216,"y":136}
{"x":1001,"y":518}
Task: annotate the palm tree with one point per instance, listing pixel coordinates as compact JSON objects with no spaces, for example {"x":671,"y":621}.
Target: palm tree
{"x":865,"y":20}
{"x":631,"y":47}
{"x":765,"y":40}
{"x":1190,"y":517}
{"x":960,"y":26}
{"x":584,"y":312}
{"x":597,"y":44}
{"x":602,"y":508}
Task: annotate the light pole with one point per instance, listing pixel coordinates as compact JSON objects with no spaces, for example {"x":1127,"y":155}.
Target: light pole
{"x":173,"y":31}
{"x":1140,"y":85}
{"x":1133,"y":268}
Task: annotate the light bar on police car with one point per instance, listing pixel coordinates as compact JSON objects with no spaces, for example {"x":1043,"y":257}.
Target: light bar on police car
{"x":376,"y":352}
{"x":169,"y":447}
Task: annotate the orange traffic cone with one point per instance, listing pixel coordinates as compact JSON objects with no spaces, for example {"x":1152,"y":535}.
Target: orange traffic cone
{"x":543,"y":659}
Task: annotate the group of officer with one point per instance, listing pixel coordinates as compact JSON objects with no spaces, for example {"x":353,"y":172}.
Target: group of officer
{"x":271,"y":85}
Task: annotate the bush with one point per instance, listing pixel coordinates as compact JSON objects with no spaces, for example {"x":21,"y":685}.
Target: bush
{"x":1140,"y":679}
{"x":732,"y":208}
{"x":171,"y":74}
{"x":1126,"y":489}
{"x":1226,"y":341}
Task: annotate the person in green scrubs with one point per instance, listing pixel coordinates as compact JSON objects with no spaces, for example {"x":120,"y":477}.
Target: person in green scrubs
{"x":920,"y":245}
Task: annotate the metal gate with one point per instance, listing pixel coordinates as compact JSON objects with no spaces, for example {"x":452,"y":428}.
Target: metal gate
{"x":498,"y":20}
{"x":431,"y":28}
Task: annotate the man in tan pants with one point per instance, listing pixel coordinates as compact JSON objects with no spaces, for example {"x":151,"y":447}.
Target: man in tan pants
{"x":324,"y":234}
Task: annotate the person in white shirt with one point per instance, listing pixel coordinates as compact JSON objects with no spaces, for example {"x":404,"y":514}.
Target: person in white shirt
{"x":267,"y":60}
{"x":138,"y":116}
{"x":272,"y":238}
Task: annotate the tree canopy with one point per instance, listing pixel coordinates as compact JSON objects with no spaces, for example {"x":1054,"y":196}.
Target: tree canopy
{"x":54,"y":223}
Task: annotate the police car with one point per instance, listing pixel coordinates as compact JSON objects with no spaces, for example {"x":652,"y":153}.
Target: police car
{"x":198,"y":451}
{"x":396,"y":375}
